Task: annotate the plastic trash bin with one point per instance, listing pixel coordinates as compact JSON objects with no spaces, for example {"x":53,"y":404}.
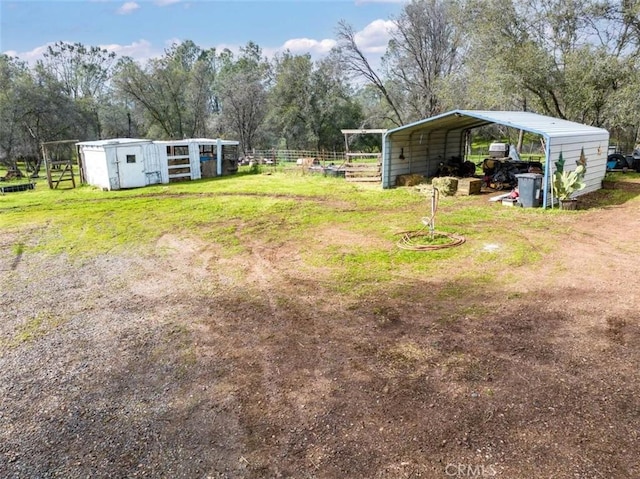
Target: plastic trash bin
{"x":529,"y":189}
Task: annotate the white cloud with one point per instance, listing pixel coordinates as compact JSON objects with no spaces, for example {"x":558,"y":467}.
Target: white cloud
{"x":372,"y":40}
{"x":31,"y":56}
{"x":164,"y":3}
{"x":127,"y":8}
{"x":141,"y":50}
{"x":308,"y":45}
{"x":374,"y":37}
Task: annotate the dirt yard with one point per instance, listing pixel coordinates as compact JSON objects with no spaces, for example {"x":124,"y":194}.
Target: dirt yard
{"x":191,"y":364}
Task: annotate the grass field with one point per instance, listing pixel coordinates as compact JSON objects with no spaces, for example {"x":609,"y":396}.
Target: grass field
{"x":269,"y":325}
{"x":278,"y":208}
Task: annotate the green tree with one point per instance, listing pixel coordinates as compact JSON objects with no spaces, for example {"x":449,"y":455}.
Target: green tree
{"x":331,"y":105}
{"x":311,"y":102}
{"x":48,"y":114}
{"x":563,"y":58}
{"x":241,"y":88}
{"x":13,"y":74}
{"x":34,"y":108}
{"x":289,"y":100}
{"x":172,"y":95}
{"x":83,"y":73}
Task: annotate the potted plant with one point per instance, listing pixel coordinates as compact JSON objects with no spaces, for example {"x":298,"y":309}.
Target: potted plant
{"x":567,"y":183}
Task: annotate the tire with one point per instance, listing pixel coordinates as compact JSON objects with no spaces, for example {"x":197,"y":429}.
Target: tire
{"x":621,"y":160}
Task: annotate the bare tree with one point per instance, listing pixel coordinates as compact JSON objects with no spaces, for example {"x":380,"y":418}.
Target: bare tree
{"x":424,"y":50}
{"x":83,"y":72}
{"x":355,"y":62}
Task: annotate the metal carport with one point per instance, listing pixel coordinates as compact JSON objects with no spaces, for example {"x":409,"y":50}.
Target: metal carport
{"x":418,"y":148}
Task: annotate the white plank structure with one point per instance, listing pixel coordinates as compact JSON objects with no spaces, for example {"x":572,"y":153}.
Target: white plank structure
{"x":132,"y":163}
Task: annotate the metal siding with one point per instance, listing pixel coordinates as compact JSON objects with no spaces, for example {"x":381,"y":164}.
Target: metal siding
{"x":595,"y":151}
{"x":154,"y":171}
{"x":535,"y":123}
{"x":130,"y":175}
{"x":161,"y":152}
{"x":95,"y":166}
{"x":101,"y":168}
{"x":112,"y":167}
{"x":395,"y":166}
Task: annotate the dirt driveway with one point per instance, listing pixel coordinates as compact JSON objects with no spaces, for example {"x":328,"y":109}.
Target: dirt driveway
{"x":192,"y":364}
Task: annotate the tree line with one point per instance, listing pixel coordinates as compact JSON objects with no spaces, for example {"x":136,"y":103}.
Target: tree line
{"x":572,"y":59}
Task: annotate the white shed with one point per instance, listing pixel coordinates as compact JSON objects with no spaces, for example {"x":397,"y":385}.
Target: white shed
{"x":120,"y":163}
{"x":132,"y":163}
{"x":420,"y":147}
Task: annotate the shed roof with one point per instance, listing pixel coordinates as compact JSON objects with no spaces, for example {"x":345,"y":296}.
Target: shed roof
{"x":523,"y":120}
{"x":114,"y":142}
{"x":199,"y":141}
{"x":131,"y":141}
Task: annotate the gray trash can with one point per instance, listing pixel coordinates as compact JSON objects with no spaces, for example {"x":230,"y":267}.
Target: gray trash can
{"x":530,"y":189}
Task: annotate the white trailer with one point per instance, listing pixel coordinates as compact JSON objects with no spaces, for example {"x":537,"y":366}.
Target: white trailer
{"x":131,"y":163}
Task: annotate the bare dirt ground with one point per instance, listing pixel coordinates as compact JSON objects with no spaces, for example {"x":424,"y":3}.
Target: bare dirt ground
{"x":192,"y":364}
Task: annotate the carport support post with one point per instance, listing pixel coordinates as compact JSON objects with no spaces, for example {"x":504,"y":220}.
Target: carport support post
{"x":218,"y":157}
{"x":547,"y":172}
{"x":384,"y":170}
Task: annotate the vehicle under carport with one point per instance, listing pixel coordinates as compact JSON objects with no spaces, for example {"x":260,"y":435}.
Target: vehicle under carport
{"x":420,"y":147}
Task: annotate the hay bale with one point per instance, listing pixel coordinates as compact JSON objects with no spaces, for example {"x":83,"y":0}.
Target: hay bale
{"x":446,"y":185}
{"x":469,"y":186}
{"x":409,"y":180}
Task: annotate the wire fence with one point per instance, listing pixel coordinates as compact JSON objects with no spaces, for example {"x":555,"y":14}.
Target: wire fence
{"x":310,"y":157}
{"x":324,"y":157}
{"x":274,"y":156}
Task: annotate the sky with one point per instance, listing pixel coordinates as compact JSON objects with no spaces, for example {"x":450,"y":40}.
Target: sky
{"x":143,"y":29}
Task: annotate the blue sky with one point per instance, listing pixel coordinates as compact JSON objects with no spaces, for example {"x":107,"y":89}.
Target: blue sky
{"x":142,"y":29}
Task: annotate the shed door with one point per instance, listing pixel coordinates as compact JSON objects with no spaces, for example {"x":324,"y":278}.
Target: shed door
{"x":130,"y":167}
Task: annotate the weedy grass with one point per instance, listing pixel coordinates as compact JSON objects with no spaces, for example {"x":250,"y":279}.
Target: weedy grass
{"x":280,"y":210}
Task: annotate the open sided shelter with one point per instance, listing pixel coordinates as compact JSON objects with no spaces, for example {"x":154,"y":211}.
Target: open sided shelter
{"x":420,"y":147}
{"x":196,"y":158}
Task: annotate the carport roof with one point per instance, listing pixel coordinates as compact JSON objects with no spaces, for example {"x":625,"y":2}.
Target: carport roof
{"x":546,"y":126}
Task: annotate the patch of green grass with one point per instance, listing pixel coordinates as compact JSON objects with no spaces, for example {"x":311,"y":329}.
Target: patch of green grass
{"x":18,"y":249}
{"x":357,"y":271}
{"x":34,"y":328}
